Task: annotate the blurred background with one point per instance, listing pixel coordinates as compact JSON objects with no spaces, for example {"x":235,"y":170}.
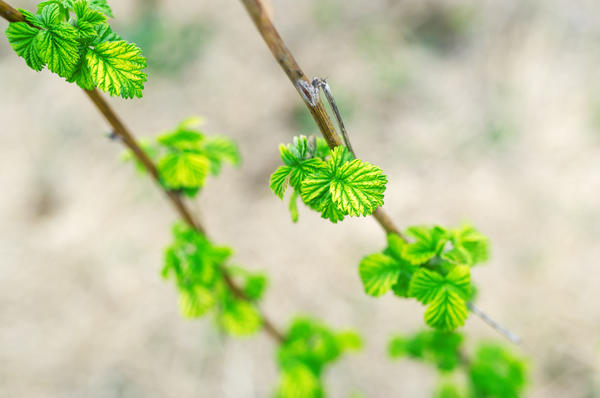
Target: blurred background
{"x":487,"y":111}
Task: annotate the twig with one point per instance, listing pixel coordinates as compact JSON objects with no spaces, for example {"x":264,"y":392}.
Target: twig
{"x":495,"y":325}
{"x":284,"y":57}
{"x":119,"y":129}
{"x":286,"y":60}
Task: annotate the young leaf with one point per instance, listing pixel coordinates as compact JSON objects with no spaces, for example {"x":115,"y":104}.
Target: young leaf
{"x":297,"y":381}
{"x":116,"y":67}
{"x":378,"y":273}
{"x":279,"y":180}
{"x":57,"y":43}
{"x":496,"y":372}
{"x":63,"y":6}
{"x":105,"y":33}
{"x":447,"y":311}
{"x":102,"y":6}
{"x":239,"y":318}
{"x":195,"y":301}
{"x":469,"y":247}
{"x":87,"y":19}
{"x":255,"y":286}
{"x":180,"y":170}
{"x":445,"y":295}
{"x":82,"y":75}
{"x":23,"y":39}
{"x":429,"y":243}
{"x":220,"y":149}
{"x":439,"y":348}
{"x":356,"y":187}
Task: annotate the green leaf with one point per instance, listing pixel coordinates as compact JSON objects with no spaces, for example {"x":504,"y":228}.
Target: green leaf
{"x":439,"y":348}
{"x":298,"y":381}
{"x":429,"y":243}
{"x":279,"y":180}
{"x":255,"y":286}
{"x":446,"y":296}
{"x":102,"y":6}
{"x":82,"y":75}
{"x":303,"y":169}
{"x":469,"y":247}
{"x":356,"y":188}
{"x":116,"y":67}
{"x":378,"y":273}
{"x":448,"y":390}
{"x":330,"y":211}
{"x":195,"y":302}
{"x":105,"y":33}
{"x":57,"y":44}
{"x":63,"y":7}
{"x":220,"y":149}
{"x":183,"y":170}
{"x":496,"y":372}
{"x":181,"y":140}
{"x":22,"y":39}
{"x":87,"y":19}
{"x":239,"y":318}
{"x":349,"y":341}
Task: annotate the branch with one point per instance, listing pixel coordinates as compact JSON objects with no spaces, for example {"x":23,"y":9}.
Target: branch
{"x":286,"y":60}
{"x":284,"y":57}
{"x":12,"y":15}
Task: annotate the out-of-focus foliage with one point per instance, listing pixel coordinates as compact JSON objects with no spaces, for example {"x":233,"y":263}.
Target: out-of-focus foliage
{"x":309,"y":347}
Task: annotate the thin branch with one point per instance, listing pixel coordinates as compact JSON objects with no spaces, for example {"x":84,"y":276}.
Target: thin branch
{"x":495,"y":325}
{"x":119,"y":130}
{"x":10,"y":14}
{"x":284,"y":57}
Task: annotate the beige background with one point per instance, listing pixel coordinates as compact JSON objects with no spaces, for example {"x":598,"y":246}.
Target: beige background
{"x":480,"y":110}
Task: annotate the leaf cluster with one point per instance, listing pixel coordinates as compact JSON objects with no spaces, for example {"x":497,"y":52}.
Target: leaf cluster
{"x":198,"y":269}
{"x":73,"y":39}
{"x":435,"y":268}
{"x":330,"y":182}
{"x":185,"y":156}
{"x":309,"y":347}
{"x":492,"y":372}
{"x":439,"y":348}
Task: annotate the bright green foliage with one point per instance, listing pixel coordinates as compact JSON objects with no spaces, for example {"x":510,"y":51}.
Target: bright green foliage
{"x":492,"y":372}
{"x":308,"y":348}
{"x":81,"y":48}
{"x":429,"y":242}
{"x":102,"y":6}
{"x":496,"y":373}
{"x":197,"y":267}
{"x":330,"y":182}
{"x":448,"y":390}
{"x":433,"y":267}
{"x":438,"y":348}
{"x":446,"y":296}
{"x":381,"y":272}
{"x":468,"y":246}
{"x":185,"y":156}
{"x":116,"y":67}
{"x":23,"y":38}
{"x":355,"y":187}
